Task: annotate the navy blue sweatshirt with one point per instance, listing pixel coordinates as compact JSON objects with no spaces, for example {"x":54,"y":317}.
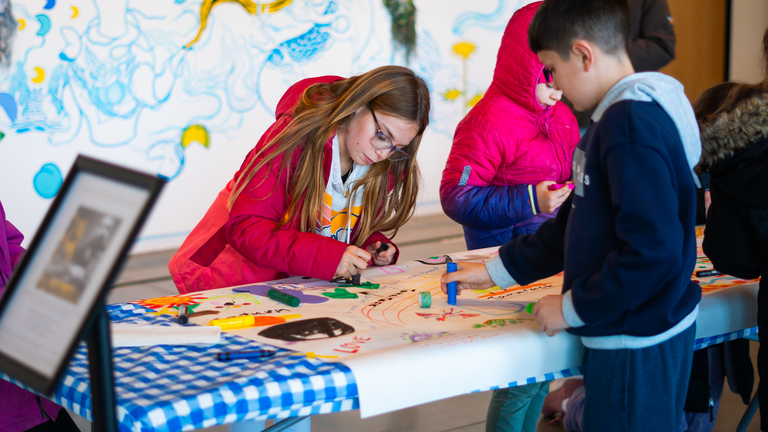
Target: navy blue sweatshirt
{"x":626,"y":235}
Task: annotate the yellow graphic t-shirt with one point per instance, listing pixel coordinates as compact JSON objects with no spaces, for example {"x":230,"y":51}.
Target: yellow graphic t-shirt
{"x":334,"y":219}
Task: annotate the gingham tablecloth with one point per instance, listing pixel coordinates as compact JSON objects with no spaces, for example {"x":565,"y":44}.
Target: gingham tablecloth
{"x":172,"y":388}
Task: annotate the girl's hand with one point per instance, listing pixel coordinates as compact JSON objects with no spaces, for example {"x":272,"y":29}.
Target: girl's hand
{"x":352,"y":262}
{"x":548,"y":200}
{"x":382,"y":258}
{"x":470,"y":276}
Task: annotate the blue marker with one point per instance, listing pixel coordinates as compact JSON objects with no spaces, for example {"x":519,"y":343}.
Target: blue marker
{"x":453,"y":287}
{"x":225,"y":356}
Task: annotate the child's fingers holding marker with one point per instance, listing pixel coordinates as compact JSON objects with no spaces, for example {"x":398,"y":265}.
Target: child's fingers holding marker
{"x":352,"y":262}
{"x":382,"y":253}
{"x":469,"y":276}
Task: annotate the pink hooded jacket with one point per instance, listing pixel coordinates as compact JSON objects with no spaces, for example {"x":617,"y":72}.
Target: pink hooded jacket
{"x":505,"y":143}
{"x":240,"y":246}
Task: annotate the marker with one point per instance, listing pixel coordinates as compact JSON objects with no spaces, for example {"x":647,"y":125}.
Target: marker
{"x":226,"y":356}
{"x":453,"y":287}
{"x":183,"y":314}
{"x":283,"y":297}
{"x":382,"y":248}
{"x":356,"y":279}
{"x":249,"y":321}
{"x":556,"y":186}
{"x":707,"y":273}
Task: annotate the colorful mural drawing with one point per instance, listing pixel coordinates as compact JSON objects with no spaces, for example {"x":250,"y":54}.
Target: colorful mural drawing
{"x":138,"y":83}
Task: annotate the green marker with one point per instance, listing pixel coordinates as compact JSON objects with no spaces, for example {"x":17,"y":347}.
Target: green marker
{"x":283,"y":297}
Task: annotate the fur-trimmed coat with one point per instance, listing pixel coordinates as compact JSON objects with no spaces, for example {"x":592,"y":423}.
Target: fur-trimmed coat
{"x":735,"y":152}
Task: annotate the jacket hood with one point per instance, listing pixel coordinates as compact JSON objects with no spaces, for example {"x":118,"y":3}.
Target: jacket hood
{"x":517,"y":68}
{"x":743,"y":127}
{"x":669,"y":94}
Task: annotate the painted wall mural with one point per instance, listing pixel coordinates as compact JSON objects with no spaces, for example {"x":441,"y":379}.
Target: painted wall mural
{"x":183,"y":89}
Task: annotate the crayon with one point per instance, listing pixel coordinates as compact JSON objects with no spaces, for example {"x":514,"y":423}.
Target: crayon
{"x":226,"y":356}
{"x":453,"y":287}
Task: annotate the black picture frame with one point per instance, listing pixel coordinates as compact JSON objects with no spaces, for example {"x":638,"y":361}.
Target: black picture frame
{"x":109,"y":267}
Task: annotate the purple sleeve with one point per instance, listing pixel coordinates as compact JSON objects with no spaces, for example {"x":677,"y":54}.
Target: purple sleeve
{"x":15,"y":237}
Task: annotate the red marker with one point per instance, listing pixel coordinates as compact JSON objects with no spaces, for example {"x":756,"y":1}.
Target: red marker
{"x":556,"y":186}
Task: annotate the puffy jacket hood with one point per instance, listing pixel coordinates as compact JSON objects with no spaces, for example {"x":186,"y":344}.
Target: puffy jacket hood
{"x":744,"y":126}
{"x":517,"y":68}
{"x":735,"y":151}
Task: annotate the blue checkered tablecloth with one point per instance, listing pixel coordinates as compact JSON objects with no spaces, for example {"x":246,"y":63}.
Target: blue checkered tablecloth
{"x":170,"y":388}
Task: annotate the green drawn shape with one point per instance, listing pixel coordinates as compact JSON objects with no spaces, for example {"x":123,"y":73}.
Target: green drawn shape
{"x":366,"y":285}
{"x":341,"y":293}
{"x":529,"y":307}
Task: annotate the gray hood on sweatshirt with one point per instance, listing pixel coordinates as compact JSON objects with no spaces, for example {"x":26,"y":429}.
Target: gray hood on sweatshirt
{"x":669,"y":94}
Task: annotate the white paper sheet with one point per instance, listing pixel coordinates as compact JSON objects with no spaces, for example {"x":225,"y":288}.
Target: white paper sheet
{"x":134,"y":335}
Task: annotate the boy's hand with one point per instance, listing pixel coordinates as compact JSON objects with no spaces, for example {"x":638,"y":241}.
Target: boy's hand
{"x":470,"y":276}
{"x":548,"y":200}
{"x":549,"y":314}
{"x":352,"y":262}
{"x":384,"y":257}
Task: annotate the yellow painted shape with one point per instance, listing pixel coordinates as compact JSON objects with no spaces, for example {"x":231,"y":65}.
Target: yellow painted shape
{"x":475,"y":99}
{"x":162,"y":311}
{"x":249,"y":6}
{"x":195,"y":133}
{"x":22,"y":24}
{"x":289,"y":316}
{"x":451,"y":94}
{"x":313,"y":355}
{"x":40,"y":77}
{"x":464,"y":49}
{"x":75,"y":12}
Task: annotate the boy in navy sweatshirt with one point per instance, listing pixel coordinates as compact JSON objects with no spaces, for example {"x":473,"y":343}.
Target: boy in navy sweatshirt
{"x":625,"y":236}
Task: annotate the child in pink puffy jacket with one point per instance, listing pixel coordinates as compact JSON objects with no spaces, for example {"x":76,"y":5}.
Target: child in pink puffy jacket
{"x":507,"y":152}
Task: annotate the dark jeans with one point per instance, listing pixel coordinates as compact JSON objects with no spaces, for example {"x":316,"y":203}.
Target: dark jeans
{"x":638,"y":389}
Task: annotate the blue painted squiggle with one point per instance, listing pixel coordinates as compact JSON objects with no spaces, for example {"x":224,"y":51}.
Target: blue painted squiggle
{"x":493,"y":21}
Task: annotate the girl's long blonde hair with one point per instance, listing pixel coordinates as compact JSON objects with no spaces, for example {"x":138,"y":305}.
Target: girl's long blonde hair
{"x":391,"y":188}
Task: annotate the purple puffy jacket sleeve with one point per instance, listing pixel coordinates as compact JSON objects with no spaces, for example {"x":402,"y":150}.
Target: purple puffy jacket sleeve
{"x":10,"y":248}
{"x":466,"y":191}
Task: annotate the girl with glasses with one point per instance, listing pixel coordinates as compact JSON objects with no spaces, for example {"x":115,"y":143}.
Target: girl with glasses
{"x":313,"y":198}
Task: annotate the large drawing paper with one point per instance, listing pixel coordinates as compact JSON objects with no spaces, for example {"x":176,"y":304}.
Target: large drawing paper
{"x":403,"y":355}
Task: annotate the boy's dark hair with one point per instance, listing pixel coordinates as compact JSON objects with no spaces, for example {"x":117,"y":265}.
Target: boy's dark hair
{"x":557,"y":23}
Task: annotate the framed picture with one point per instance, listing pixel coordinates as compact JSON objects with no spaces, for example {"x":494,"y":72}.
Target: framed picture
{"x":50,"y":301}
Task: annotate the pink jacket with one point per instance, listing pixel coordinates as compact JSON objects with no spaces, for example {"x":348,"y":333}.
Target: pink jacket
{"x":505,"y":143}
{"x":241,"y":246}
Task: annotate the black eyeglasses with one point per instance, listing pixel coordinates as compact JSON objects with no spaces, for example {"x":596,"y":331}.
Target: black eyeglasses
{"x":382,"y":142}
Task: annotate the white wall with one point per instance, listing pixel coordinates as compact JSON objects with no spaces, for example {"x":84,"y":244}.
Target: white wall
{"x":749,"y":20}
{"x":111,"y":79}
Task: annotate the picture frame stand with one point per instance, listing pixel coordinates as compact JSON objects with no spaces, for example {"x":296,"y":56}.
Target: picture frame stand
{"x":101,"y":371}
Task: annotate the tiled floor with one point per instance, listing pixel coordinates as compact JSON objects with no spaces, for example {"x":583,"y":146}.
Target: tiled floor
{"x":146,"y":276}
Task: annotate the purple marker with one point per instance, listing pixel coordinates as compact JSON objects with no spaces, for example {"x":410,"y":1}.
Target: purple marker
{"x":453,"y":287}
